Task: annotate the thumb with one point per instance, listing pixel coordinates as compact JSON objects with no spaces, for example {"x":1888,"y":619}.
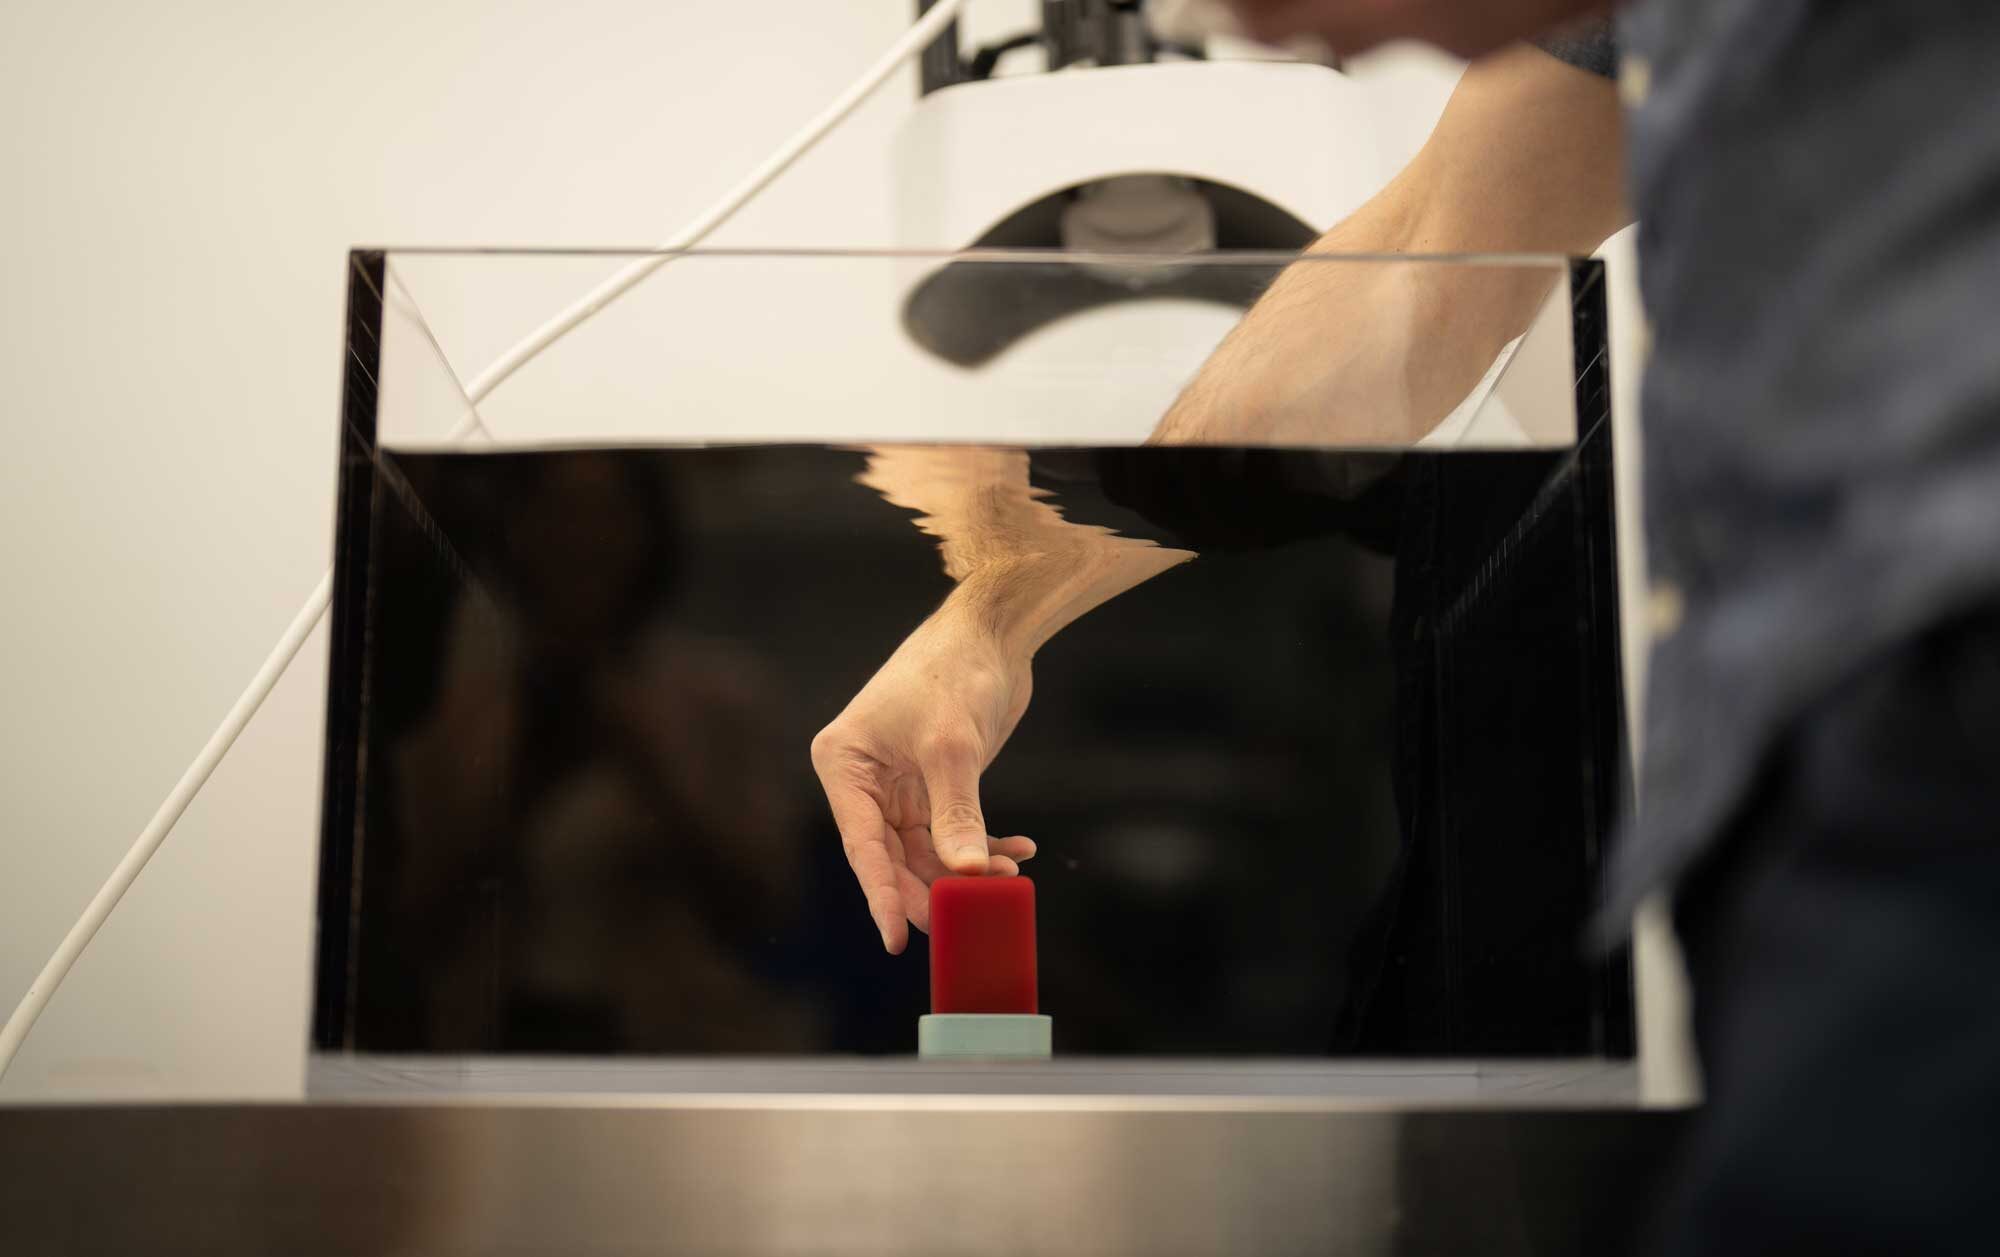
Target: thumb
{"x":958,"y":827}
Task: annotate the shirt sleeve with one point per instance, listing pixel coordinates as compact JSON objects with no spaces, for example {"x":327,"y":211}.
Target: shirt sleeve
{"x":1587,"y":45}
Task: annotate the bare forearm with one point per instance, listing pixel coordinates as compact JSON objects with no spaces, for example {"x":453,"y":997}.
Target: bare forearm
{"x":1526,"y":159}
{"x":1023,"y":571}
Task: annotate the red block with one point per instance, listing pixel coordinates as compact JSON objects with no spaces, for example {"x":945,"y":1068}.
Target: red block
{"x":983,"y":945}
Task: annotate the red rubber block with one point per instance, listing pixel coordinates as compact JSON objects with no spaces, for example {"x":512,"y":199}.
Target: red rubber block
{"x":983,"y":945}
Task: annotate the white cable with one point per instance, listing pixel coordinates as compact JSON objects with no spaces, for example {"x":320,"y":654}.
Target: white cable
{"x":156,"y":830}
{"x":926,"y":29}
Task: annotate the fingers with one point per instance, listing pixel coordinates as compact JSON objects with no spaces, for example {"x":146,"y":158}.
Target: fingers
{"x":920,"y":855}
{"x":895,"y":864}
{"x":917,"y":894}
{"x":916,"y":899}
{"x":865,"y":837}
{"x":1016,"y":849}
{"x":958,"y":827}
{"x":921,"y":867}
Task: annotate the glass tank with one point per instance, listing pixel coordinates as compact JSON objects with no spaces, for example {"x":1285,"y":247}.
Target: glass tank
{"x":1289,"y":640}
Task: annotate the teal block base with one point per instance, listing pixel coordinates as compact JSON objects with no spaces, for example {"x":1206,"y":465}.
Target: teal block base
{"x":984,"y":1036}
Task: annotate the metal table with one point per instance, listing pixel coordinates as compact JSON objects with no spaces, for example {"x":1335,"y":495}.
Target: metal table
{"x":423,"y":1157}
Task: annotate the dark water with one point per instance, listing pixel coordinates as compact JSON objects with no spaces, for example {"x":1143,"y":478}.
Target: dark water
{"x":1336,"y":785}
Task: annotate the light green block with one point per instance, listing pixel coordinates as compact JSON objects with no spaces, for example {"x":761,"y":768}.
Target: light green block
{"x":984,"y":1037}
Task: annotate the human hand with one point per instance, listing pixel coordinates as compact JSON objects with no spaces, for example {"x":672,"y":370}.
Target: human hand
{"x":901,"y":767}
{"x":1469,"y":28}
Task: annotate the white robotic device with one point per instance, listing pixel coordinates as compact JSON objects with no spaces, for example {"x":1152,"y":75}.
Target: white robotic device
{"x":1128,"y":143}
{"x":1133,"y":140}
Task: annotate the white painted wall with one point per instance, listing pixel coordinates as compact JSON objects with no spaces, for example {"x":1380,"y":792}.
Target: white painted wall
{"x":183,"y":183}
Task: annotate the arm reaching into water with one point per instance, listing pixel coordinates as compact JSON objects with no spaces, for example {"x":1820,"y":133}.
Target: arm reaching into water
{"x":1525,"y":158}
{"x":901,"y":764}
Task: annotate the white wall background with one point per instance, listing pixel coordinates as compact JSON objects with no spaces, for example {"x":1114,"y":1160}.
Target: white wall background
{"x":184,"y":181}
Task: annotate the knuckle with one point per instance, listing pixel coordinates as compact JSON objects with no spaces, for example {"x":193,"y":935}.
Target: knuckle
{"x":829,"y":746}
{"x":952,"y":747}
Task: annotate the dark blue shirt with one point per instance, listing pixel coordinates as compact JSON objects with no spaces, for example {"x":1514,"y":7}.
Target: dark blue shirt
{"x":1818,"y":187}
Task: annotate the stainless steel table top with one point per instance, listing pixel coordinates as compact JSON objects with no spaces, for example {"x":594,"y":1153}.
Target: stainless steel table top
{"x":1581,"y":1082}
{"x":1236,"y":1161}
